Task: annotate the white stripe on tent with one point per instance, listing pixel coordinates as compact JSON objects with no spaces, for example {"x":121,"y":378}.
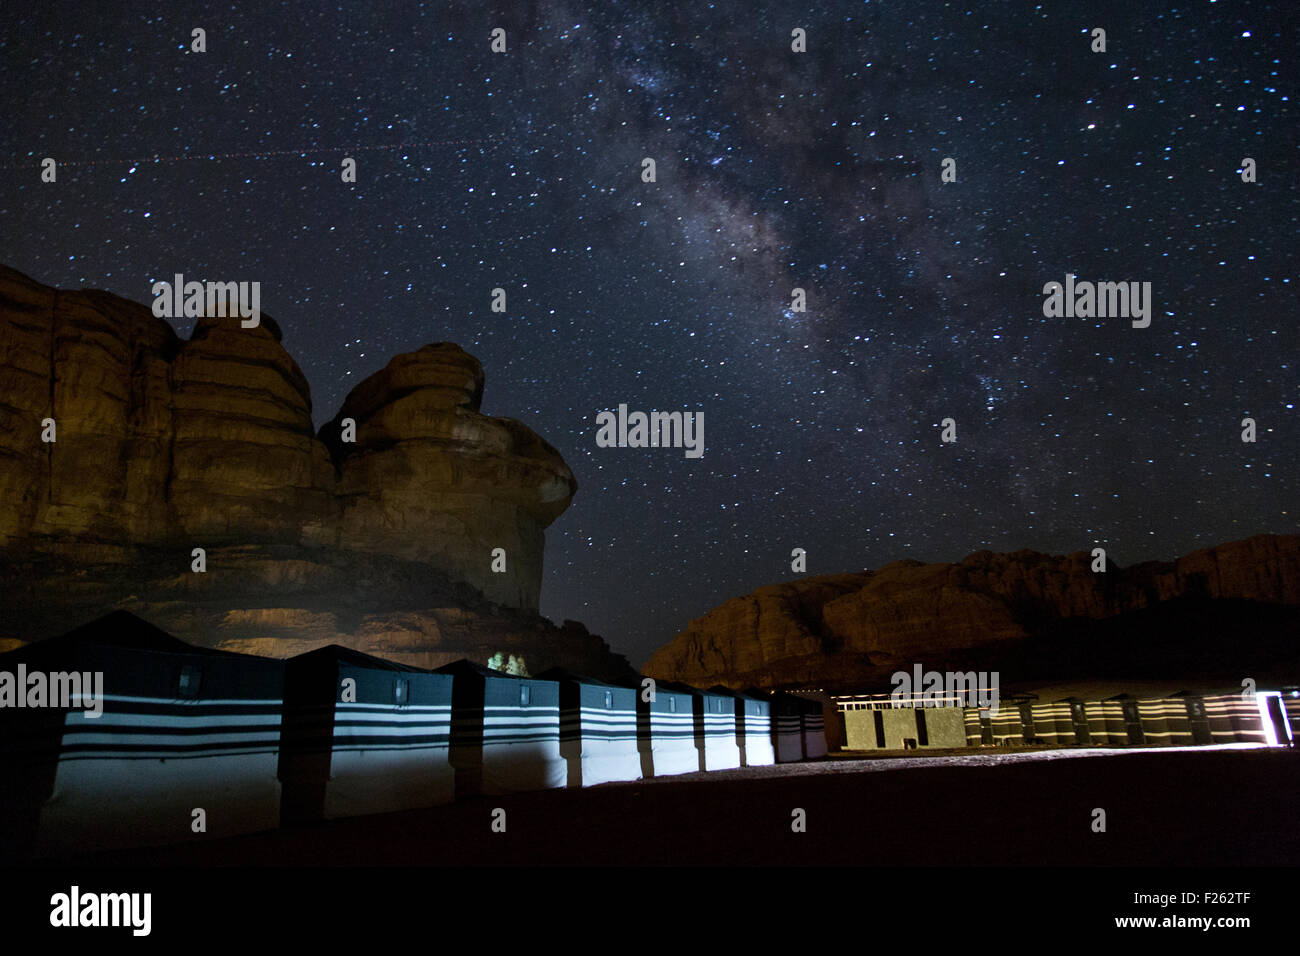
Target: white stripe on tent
{"x":123,"y":719}
{"x":204,"y":702}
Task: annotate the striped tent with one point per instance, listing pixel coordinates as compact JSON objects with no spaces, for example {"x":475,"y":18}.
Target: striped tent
{"x":363,"y":735}
{"x":1106,"y":723}
{"x":787,"y":727}
{"x":598,"y":735}
{"x":1124,"y":725}
{"x":1052,"y":724}
{"x":1029,"y":724}
{"x":813,"y":728}
{"x":1197,"y":714}
{"x":1164,"y":722}
{"x":1006,"y":727}
{"x":983,"y":727}
{"x":505,"y":731}
{"x":754,"y":721}
{"x":1234,"y":718}
{"x":714,"y":720}
{"x":186,"y":746}
{"x":747,"y":710}
{"x":665,"y":729}
{"x":1081,"y":721}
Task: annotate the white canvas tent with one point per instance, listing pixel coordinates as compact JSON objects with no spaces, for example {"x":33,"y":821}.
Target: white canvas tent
{"x":814,"y":729}
{"x":363,"y":735}
{"x":754,"y":721}
{"x":186,"y":746}
{"x":505,"y":731}
{"x":598,"y":736}
{"x":714,"y":720}
{"x":665,"y":730}
{"x":1052,"y":723}
{"x":787,"y":728}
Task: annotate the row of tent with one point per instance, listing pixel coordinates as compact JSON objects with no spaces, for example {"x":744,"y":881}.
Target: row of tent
{"x":1183,"y":720}
{"x":193,"y":740}
{"x":1270,"y":718}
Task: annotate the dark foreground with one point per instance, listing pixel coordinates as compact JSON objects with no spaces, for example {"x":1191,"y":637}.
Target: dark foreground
{"x":1199,"y":807}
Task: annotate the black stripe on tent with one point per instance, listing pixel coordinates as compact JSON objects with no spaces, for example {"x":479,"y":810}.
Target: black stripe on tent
{"x":76,"y":751}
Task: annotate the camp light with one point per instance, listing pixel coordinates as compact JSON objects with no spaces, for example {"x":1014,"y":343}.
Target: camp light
{"x":1266,"y":719}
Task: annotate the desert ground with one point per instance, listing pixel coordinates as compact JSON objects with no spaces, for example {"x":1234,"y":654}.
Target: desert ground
{"x":1220,"y":806}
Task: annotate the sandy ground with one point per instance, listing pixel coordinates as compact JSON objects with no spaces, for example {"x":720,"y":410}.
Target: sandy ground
{"x":1183,"y":807}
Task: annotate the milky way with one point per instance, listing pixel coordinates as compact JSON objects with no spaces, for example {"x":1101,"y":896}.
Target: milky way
{"x":774,"y":170}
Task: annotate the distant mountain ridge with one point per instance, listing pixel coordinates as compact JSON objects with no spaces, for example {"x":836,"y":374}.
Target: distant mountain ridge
{"x":1036,"y":616}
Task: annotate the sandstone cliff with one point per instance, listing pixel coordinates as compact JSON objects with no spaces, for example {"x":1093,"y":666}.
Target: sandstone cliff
{"x":432,"y":480}
{"x":164,"y":445}
{"x":1039,"y":615}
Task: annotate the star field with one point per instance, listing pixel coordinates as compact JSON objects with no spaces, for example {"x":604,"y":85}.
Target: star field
{"x":774,"y":170}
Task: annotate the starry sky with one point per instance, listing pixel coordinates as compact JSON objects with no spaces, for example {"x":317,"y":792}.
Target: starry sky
{"x":775,"y":170}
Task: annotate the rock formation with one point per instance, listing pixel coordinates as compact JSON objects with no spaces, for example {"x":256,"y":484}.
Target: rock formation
{"x":432,"y":480}
{"x":1034,"y":615}
{"x":163,"y":446}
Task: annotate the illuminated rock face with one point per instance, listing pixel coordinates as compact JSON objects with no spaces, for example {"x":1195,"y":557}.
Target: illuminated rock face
{"x":158,"y":441}
{"x":100,"y":368}
{"x":164,"y":445}
{"x":431,"y":479}
{"x":1037,"y":614}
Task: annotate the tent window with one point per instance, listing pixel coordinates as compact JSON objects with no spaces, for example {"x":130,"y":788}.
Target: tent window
{"x":523,"y":695}
{"x":609,"y":700}
{"x":672,"y":705}
{"x":402,"y":692}
{"x":188,"y":685}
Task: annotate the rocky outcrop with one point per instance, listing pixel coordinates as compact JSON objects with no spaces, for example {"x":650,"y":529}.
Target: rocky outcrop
{"x":384,"y":542}
{"x":101,"y":366}
{"x":430,"y":479}
{"x":208,"y":441}
{"x":245,"y":464}
{"x":1039,"y":614}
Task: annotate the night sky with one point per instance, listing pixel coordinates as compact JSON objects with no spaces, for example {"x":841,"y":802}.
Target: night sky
{"x":775,"y":170}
